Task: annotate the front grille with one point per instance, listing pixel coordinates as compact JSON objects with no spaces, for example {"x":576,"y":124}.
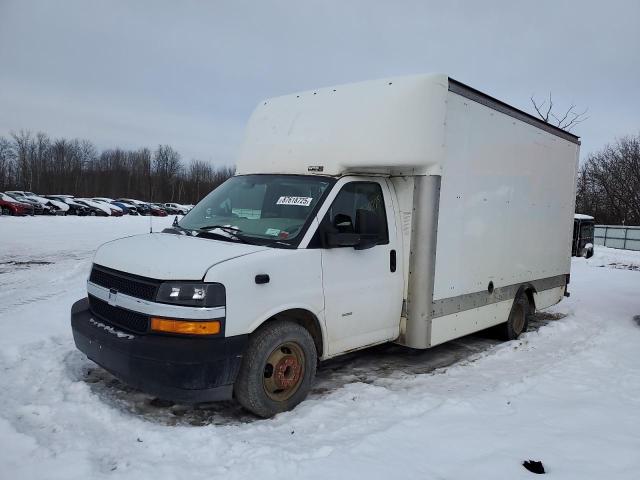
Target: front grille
{"x":133,"y":285}
{"x":119,"y":317}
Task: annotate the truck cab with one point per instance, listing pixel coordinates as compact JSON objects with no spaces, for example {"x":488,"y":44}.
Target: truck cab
{"x":357,"y":216}
{"x":582,"y":240}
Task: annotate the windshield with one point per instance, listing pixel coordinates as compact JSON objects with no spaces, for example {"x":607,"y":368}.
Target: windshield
{"x":7,"y":198}
{"x":264,"y":207}
{"x":586,"y":230}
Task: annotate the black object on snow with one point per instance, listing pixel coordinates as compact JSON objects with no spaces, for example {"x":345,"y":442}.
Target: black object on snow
{"x":534,"y":466}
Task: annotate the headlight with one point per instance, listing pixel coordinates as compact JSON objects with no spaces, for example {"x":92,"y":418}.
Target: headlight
{"x":192,"y":294}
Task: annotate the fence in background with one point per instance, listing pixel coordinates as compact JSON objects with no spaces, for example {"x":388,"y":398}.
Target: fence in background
{"x":617,"y":236}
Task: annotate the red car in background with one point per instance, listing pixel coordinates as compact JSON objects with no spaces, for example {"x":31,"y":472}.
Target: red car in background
{"x":157,"y":211}
{"x":10,"y":206}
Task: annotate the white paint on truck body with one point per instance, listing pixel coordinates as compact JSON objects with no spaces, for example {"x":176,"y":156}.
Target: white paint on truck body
{"x":391,"y":125}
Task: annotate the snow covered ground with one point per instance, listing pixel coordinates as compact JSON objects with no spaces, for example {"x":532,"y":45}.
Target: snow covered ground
{"x":567,"y":393}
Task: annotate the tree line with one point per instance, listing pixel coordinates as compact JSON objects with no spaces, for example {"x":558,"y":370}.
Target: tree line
{"x":38,"y":163}
{"x":608,"y":186}
{"x":609,"y":183}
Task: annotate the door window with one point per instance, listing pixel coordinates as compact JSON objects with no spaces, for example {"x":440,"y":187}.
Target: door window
{"x":359,"y":208}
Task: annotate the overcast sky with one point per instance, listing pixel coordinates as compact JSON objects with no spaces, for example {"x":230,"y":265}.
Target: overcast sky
{"x":140,"y":73}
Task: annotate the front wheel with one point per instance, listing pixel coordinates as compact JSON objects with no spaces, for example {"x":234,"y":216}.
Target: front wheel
{"x":277,"y":369}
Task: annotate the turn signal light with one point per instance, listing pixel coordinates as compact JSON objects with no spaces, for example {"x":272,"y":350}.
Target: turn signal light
{"x":168,"y":325}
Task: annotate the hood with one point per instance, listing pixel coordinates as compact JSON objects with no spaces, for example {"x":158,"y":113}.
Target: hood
{"x":165,"y":256}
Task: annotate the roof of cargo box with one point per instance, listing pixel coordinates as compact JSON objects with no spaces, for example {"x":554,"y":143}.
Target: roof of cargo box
{"x":491,"y":102}
{"x":394,"y":125}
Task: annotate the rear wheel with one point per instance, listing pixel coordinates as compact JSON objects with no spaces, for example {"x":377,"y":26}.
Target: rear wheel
{"x":277,"y":369}
{"x":518,"y":321}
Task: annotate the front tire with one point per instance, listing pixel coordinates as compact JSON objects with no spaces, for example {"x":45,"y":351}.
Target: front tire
{"x":277,"y":369}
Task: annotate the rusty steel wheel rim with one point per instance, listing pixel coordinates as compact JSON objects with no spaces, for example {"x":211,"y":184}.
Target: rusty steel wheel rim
{"x":283,"y":371}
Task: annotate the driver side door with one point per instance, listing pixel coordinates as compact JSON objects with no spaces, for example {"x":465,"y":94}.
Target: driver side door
{"x":362,"y":287}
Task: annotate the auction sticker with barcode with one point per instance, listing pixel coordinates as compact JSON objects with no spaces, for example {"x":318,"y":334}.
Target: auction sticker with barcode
{"x":300,"y":201}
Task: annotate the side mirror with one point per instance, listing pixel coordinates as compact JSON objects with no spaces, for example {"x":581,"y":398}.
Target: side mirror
{"x":368,"y":226}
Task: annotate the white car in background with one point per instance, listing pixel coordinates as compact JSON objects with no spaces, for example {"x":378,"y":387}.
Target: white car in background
{"x":107,"y":203}
{"x":182,"y":209}
{"x":108,"y":209}
{"x":75,"y":208}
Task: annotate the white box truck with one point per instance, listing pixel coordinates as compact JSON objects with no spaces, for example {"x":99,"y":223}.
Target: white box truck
{"x":412,"y":210}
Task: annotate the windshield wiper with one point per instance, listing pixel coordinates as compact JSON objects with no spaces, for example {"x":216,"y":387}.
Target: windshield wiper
{"x":221,"y":227}
{"x":233,"y":231}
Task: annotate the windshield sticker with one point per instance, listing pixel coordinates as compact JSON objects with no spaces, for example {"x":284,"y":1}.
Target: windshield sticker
{"x":298,"y":201}
{"x":272,"y":231}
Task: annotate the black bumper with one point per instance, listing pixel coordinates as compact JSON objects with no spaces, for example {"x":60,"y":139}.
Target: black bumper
{"x":182,"y":369}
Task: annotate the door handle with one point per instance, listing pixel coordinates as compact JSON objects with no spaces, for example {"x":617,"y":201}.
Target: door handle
{"x":392,"y":260}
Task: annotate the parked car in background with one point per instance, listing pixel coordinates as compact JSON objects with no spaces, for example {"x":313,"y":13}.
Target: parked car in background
{"x":127,"y":208}
{"x":38,"y":208}
{"x":157,"y":211}
{"x":582,"y":243}
{"x":112,"y":204}
{"x":109,"y":202}
{"x":142,"y":207}
{"x":57,"y":207}
{"x":116,"y":211}
{"x":94,"y":209}
{"x":75,"y":208}
{"x":11,"y":206}
{"x":169,"y":210}
{"x":179,"y":208}
{"x":111,"y":210}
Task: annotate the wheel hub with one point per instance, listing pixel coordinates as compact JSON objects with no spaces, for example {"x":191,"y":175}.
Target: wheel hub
{"x":287,"y":372}
{"x":283,"y":371}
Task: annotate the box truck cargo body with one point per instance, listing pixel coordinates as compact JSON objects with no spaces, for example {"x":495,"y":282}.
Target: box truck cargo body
{"x":414,"y":210}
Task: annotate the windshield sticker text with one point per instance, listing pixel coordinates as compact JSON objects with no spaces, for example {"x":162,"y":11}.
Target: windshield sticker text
{"x":298,"y":201}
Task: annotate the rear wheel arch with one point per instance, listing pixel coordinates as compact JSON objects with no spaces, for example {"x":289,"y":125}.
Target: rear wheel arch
{"x":527,"y":290}
{"x":522,"y":308}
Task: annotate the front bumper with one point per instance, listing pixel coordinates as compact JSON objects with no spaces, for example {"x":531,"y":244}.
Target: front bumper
{"x":181,"y":369}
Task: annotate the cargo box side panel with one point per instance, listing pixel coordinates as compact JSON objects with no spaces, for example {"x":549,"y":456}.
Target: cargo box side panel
{"x":506,"y":204}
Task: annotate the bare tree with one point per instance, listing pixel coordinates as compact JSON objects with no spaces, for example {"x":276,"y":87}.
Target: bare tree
{"x":23,"y":147}
{"x":73,"y":166}
{"x":6,"y":163}
{"x":566,"y":121}
{"x":609,"y":183}
{"x":165,"y":170}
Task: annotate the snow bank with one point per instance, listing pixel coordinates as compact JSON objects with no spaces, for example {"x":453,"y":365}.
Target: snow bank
{"x":567,"y":393}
